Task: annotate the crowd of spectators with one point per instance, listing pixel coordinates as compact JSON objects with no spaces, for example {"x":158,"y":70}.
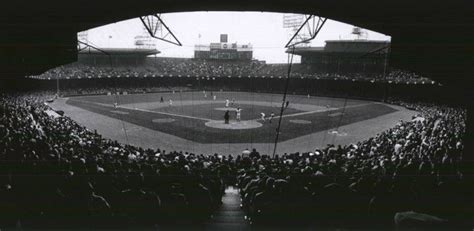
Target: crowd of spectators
{"x":58,"y":174}
{"x":409,"y":175}
{"x":55,"y":173}
{"x":117,"y":90}
{"x":203,"y":68}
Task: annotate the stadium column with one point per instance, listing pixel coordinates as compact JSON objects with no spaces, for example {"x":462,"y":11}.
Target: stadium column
{"x":468,"y":160}
{"x":468,"y":152}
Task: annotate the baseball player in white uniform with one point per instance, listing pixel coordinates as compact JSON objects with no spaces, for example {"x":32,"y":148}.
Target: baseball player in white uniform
{"x":238,"y":112}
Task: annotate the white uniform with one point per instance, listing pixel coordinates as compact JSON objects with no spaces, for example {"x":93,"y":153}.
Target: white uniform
{"x":171,"y":102}
{"x":238,"y":114}
{"x":262,"y":116}
{"x":115,"y":105}
{"x":214,"y":97}
{"x":227,"y":103}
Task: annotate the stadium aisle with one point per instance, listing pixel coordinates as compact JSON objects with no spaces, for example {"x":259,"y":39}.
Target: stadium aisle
{"x":229,"y":216}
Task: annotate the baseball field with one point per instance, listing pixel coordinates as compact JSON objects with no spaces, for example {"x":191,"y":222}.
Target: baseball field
{"x":194,"y":121}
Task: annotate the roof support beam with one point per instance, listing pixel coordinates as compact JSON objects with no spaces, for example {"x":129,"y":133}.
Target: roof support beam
{"x":312,"y":25}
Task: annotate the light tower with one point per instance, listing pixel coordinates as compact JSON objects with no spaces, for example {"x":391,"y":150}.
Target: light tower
{"x":157,"y":28}
{"x":303,"y":27}
{"x":144,"y":40}
{"x":292,"y":22}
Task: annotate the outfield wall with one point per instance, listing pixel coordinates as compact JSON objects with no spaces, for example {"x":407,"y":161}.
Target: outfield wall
{"x":319,"y":87}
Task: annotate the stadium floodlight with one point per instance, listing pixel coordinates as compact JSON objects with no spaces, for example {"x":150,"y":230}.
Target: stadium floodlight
{"x":312,"y":27}
{"x":158,"y":29}
{"x":293,"y":21}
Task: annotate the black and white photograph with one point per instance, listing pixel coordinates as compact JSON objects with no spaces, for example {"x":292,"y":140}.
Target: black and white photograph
{"x":236,"y":115}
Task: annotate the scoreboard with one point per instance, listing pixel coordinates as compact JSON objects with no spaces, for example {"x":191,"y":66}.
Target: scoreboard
{"x":224,"y":50}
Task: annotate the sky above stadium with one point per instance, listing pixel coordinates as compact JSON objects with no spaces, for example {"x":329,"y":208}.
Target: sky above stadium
{"x":261,"y":29}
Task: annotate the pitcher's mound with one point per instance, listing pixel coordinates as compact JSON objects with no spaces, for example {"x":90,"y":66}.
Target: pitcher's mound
{"x":233,"y":124}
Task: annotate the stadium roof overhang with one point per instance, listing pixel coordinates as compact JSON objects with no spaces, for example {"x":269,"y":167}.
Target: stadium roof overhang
{"x":305,"y":50}
{"x":349,"y":46}
{"x":430,"y":37}
{"x":119,"y":51}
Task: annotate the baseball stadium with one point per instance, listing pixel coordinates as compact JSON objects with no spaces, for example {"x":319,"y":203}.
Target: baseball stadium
{"x":240,"y":120}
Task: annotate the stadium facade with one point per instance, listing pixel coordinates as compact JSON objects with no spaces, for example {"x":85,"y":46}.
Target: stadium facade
{"x":367,"y":56}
